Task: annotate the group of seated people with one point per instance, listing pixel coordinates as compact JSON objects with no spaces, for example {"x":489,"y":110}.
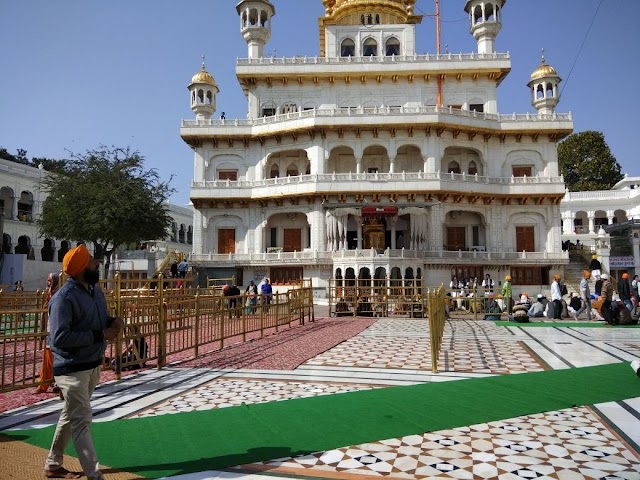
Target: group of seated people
{"x":525,"y":309}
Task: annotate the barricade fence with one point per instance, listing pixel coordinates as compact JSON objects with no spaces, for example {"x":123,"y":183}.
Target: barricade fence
{"x":161,"y":320}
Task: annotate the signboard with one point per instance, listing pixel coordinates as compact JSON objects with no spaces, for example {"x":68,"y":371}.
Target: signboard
{"x":379,"y":211}
{"x":621,"y":262}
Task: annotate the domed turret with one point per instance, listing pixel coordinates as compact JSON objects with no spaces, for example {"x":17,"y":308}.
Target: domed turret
{"x":255,"y":24}
{"x":544,"y":88}
{"x":485,"y":18}
{"x":203,"y":90}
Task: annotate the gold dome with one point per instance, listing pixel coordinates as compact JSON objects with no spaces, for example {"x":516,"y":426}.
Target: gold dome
{"x":543,"y":70}
{"x":203,"y":77}
{"x":395,"y":11}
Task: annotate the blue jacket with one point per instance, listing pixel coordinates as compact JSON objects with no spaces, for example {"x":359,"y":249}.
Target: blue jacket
{"x":77,"y":317}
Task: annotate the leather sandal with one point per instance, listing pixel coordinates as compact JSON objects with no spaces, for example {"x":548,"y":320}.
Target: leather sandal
{"x":60,"y":472}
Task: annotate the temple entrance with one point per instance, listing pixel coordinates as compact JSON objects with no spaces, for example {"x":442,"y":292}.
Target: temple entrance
{"x":456,"y":238}
{"x":292,"y":240}
{"x":226,"y":240}
{"x":373,"y":231}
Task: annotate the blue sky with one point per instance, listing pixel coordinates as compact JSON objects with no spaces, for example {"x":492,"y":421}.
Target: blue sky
{"x":80,"y":73}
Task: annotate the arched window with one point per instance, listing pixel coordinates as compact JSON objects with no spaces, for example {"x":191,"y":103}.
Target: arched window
{"x":539,"y":92}
{"x":200,"y":96}
{"x":549,"y":90}
{"x":362,"y":19}
{"x":209,"y":98}
{"x":473,"y":168}
{"x":292,"y":171}
{"x":454,"y":167}
{"x":392,"y":47}
{"x":268,"y":109}
{"x":289,"y":108}
{"x":369,"y":19}
{"x":347,"y":48}
{"x":181,"y":233}
{"x":370,"y":48}
{"x":190,"y":235}
{"x":488,"y":12}
{"x":477,"y":15}
{"x":377,"y":19}
{"x":275,"y":172}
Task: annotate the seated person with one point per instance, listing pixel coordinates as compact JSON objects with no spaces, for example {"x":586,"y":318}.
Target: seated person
{"x":493,"y":312}
{"x":136,"y":352}
{"x":622,"y":315}
{"x":342,"y":309}
{"x":538,"y":307}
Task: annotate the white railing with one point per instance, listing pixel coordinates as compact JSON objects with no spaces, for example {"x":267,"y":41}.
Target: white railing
{"x":598,"y":195}
{"x":439,"y":256}
{"x":425,"y":58}
{"x":378,"y":112}
{"x":377,"y":177}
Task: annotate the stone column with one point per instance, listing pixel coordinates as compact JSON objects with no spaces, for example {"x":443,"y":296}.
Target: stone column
{"x":591,"y":215}
{"x":14,"y":210}
{"x":393,"y":222}
{"x":392,"y":163}
{"x":358,"y":220}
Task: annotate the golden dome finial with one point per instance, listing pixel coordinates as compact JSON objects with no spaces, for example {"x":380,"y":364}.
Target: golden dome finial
{"x":544,"y":70}
{"x":203,"y":76}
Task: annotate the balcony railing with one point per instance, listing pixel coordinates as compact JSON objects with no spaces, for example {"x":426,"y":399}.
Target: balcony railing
{"x":326,"y":257}
{"x":378,"y":177}
{"x":378,"y":112}
{"x":425,"y":58}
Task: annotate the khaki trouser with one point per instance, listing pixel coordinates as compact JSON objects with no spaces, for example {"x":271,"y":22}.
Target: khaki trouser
{"x":75,"y":422}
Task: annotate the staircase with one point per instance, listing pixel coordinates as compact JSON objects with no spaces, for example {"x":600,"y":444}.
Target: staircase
{"x":573,"y":272}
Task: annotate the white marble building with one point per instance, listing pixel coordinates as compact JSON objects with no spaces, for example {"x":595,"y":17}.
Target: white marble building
{"x":373,"y":160}
{"x":21,"y":201}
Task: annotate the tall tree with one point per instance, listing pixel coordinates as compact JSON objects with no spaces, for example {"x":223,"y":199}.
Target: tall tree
{"x":106,"y":197}
{"x":587,"y":163}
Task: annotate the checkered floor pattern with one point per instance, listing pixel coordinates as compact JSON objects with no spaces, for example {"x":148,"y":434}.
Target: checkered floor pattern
{"x":463,"y":350}
{"x":568,"y":445}
{"x":235,"y":392}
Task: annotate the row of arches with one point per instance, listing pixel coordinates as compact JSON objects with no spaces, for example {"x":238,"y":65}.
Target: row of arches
{"x":24,"y":246}
{"x":396,"y":276}
{"x":369,"y":47}
{"x":375,"y":159}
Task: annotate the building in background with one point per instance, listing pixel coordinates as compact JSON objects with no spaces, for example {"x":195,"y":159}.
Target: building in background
{"x":374,"y":160}
{"x":29,"y":257}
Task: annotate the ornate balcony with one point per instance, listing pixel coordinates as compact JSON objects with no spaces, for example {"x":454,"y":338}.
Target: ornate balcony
{"x":362,"y":182}
{"x":441,"y":257}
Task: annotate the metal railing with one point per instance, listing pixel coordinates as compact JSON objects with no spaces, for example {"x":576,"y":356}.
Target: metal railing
{"x":163,"y":322}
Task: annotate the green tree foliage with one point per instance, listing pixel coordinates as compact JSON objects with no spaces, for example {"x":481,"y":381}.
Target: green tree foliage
{"x":49,"y":164}
{"x":106,"y":197}
{"x":587,"y":163}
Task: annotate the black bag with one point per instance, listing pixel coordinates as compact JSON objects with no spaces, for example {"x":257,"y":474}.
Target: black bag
{"x":563,"y":289}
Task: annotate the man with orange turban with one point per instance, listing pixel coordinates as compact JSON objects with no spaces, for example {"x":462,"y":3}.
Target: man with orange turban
{"x":79,"y":327}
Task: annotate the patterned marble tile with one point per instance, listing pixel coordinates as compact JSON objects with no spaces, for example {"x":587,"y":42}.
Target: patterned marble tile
{"x":459,"y":354}
{"x":569,"y":444}
{"x":233,"y":392}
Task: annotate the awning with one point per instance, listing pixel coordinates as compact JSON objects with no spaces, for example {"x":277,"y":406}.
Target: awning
{"x":379,"y":211}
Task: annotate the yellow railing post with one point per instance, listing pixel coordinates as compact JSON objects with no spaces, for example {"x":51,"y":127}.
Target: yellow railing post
{"x":118,"y":312}
{"x":197,"y":324}
{"x":162,"y":326}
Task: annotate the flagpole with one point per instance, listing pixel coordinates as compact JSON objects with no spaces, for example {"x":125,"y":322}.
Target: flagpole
{"x":438,"y":51}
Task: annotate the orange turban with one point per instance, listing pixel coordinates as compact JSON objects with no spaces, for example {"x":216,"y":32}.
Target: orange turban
{"x":76,"y":260}
{"x":625,"y":275}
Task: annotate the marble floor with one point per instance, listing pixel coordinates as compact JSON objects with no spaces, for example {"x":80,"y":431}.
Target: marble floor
{"x":590,"y":442}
